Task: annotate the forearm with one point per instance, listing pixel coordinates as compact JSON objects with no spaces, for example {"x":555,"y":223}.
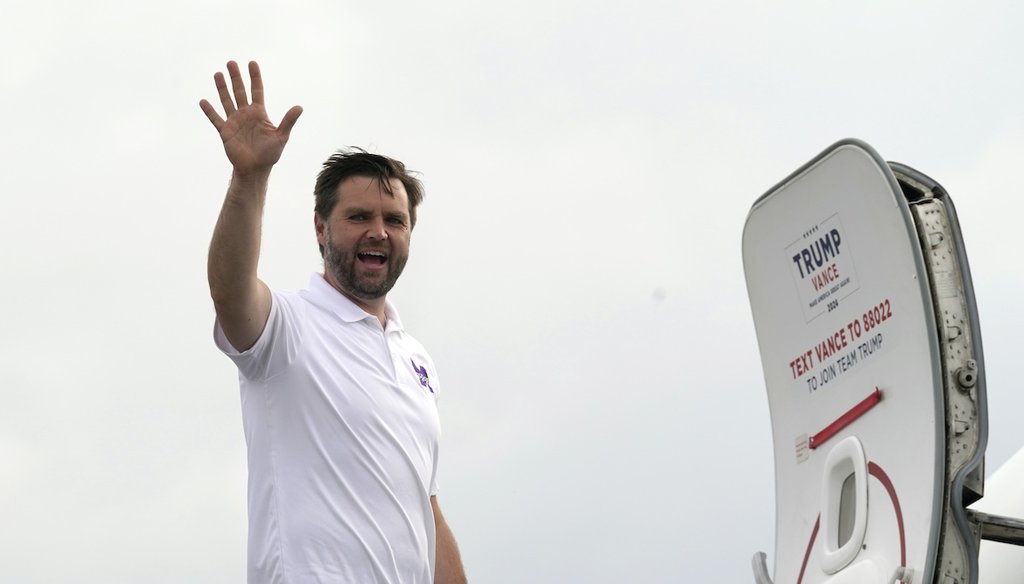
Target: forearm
{"x":447,"y":561}
{"x":241,"y":300}
{"x":235,"y":246}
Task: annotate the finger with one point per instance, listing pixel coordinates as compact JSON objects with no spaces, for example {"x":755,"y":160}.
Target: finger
{"x":237,"y":85}
{"x":211,"y":114}
{"x":222,"y":92}
{"x":257,"y":82}
{"x":288,"y":121}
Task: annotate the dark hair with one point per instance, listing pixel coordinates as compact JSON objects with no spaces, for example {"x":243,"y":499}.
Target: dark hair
{"x":358,"y":162}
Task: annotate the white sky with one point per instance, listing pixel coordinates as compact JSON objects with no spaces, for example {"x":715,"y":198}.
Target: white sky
{"x":576,"y":270}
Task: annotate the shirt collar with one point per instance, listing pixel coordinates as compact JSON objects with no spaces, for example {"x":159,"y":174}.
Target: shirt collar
{"x":321,"y":293}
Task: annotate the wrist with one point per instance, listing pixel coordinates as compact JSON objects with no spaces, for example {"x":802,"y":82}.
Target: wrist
{"x":250,"y":177}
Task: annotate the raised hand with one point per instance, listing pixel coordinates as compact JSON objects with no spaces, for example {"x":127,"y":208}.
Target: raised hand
{"x":253,"y":144}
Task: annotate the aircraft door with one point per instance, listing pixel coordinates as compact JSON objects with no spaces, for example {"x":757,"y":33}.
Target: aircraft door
{"x":846,"y":327}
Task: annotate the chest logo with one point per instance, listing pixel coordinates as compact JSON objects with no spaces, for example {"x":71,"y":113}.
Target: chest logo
{"x":421,"y":374}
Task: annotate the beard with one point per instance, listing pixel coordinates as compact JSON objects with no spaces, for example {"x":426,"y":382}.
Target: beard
{"x":343,"y":264}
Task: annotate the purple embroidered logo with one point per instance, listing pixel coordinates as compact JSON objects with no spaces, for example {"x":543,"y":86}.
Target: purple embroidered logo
{"x":421,"y":373}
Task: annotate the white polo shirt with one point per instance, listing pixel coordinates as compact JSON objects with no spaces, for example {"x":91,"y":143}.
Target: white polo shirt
{"x":341,"y":424}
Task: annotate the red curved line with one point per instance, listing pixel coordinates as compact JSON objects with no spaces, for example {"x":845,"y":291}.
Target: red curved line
{"x":877,"y":472}
{"x":810,"y":544}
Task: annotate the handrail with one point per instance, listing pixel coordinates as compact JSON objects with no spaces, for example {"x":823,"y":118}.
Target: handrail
{"x":998,"y":528}
{"x":760,"y":563}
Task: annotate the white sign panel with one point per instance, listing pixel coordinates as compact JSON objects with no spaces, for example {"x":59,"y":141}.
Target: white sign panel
{"x":822,"y":266}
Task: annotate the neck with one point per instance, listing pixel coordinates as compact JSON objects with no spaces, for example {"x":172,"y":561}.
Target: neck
{"x":373,"y":306}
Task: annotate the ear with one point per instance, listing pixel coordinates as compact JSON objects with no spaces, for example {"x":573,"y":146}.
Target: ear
{"x":321,"y":229}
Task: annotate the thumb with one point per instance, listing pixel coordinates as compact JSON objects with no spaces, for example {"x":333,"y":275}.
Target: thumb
{"x":288,"y":121}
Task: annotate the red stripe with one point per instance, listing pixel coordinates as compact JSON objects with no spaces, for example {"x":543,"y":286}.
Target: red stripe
{"x":810,"y":545}
{"x":846,"y":419}
{"x":877,"y":472}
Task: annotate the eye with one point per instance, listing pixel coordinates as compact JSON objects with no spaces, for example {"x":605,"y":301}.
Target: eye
{"x":357,"y":217}
{"x":395,"y":220}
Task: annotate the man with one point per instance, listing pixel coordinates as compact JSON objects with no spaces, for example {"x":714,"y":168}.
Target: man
{"x":338,"y":401}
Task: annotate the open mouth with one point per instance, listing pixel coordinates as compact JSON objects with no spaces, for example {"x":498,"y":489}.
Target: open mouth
{"x":373,"y":258}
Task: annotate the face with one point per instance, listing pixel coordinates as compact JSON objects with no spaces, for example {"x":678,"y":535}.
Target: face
{"x":366,"y":239}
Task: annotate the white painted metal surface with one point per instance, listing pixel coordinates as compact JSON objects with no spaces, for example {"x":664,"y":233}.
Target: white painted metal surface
{"x":858,"y":279}
{"x":843,"y":313}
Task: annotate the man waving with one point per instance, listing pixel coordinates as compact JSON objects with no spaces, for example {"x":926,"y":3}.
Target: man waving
{"x":339,"y":402}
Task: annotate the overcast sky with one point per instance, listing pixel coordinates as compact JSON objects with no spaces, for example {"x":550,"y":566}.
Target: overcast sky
{"x":575,"y":271}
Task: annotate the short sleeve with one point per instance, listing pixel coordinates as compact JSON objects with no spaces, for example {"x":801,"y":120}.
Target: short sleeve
{"x":276,"y":348}
{"x":434,"y":488}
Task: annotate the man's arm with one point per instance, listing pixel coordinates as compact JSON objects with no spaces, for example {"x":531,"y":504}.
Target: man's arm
{"x":253,"y":145}
{"x":448,"y":562}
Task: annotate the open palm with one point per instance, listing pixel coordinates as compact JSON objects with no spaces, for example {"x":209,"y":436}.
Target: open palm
{"x":252,"y":143}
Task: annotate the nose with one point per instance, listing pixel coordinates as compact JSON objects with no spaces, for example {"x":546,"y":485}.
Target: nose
{"x":376,"y":230}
